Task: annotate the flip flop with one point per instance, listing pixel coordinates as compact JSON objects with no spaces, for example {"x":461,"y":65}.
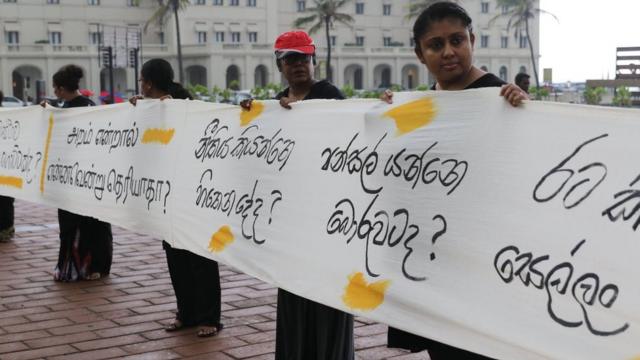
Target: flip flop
{"x":208,"y":331}
{"x":174,"y":326}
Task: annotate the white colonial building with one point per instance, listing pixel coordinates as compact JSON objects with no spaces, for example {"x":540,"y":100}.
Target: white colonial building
{"x":226,"y":40}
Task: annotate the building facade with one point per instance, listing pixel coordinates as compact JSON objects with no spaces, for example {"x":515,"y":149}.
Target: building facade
{"x":225,"y":41}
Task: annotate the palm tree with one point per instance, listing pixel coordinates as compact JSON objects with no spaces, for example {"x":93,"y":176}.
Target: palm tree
{"x":324,"y":14}
{"x":166,"y":8}
{"x":417,"y":6}
{"x":519,"y":12}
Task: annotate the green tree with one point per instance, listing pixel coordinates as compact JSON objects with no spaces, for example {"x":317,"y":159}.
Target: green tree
{"x":165,"y":9}
{"x":539,"y":93}
{"x":324,"y":14}
{"x":593,"y":96}
{"x":519,"y":12}
{"x":417,"y":6}
{"x":622,"y":97}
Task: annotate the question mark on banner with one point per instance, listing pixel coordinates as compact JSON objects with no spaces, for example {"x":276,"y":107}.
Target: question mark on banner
{"x":437,"y":235}
{"x":166,"y":196}
{"x":278,"y":198}
{"x":35,"y":166}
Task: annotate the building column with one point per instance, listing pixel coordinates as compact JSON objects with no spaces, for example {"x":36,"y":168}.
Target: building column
{"x":5,"y":77}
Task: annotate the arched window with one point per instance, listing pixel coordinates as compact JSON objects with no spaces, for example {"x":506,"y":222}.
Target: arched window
{"x":503,"y":73}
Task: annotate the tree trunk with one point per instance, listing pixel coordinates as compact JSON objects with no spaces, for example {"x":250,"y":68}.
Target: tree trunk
{"x":533,"y":59}
{"x":326,"y":23}
{"x":179,"y":43}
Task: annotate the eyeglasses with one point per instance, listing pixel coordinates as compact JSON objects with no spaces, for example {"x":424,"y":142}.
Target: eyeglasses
{"x":297,"y":58}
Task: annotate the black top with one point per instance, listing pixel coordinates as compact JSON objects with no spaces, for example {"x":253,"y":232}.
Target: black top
{"x":486,"y":80}
{"x":78,"y":101}
{"x":319,"y":90}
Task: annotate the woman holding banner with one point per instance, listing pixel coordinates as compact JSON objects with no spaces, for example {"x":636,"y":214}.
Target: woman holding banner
{"x":444,"y":44}
{"x":195,"y":279}
{"x":6,"y":210}
{"x":86,"y":243}
{"x":306,"y":329}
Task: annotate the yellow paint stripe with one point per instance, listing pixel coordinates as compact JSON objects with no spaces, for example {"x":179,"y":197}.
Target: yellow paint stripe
{"x":46,"y":153}
{"x":413,"y":115}
{"x":11,"y":181}
{"x":162,"y":136}
{"x":221,"y":239}
{"x":359,"y":295}
{"x":246,"y":117}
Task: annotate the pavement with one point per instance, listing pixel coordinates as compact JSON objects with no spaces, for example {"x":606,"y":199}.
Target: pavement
{"x":121,"y":316}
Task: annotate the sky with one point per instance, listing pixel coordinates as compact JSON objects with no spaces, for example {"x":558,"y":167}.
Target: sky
{"x":582,"y":43}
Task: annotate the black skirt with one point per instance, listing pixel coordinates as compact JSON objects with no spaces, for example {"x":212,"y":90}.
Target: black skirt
{"x":307,"y":330}
{"x":397,"y":338}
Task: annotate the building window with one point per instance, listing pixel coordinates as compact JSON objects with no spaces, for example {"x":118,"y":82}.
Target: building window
{"x":386,"y":9}
{"x":12,"y":37}
{"x":484,"y":7}
{"x":53,"y":1}
{"x":253,"y":37}
{"x":251,"y":3}
{"x":301,"y":5}
{"x":9,"y":1}
{"x":235,"y":37}
{"x":234,"y":2}
{"x":412,"y":42}
{"x":484,"y":41}
{"x":133,"y":3}
{"x":202,"y":37}
{"x":55,"y":37}
{"x":504,"y":9}
{"x":200,"y":2}
{"x":386,"y":40}
{"x":359,"y":40}
{"x":219,"y":36}
{"x":360,"y":8}
{"x":332,"y":40}
{"x":504,"y":42}
{"x":218,"y":2}
{"x":523,"y":42}
{"x":95,"y":38}
{"x":93,"y":2}
{"x":161,"y":38}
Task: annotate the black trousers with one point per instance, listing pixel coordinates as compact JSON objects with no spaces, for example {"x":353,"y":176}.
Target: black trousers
{"x":307,"y":330}
{"x":6,"y":212}
{"x":86,"y":246}
{"x":196,"y":283}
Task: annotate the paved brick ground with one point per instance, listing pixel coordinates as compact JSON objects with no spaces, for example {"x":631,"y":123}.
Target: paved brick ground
{"x":121,"y":316}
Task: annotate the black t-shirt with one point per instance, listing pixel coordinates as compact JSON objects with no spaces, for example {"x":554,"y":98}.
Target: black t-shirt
{"x":78,"y":101}
{"x":486,"y":80}
{"x":319,"y":90}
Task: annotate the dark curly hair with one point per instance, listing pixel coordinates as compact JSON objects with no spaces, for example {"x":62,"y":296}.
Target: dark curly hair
{"x":160,"y":74}
{"x":438,"y":12}
{"x":68,"y":77}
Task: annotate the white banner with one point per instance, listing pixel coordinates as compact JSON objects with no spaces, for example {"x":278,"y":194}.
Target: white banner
{"x":511,"y":232}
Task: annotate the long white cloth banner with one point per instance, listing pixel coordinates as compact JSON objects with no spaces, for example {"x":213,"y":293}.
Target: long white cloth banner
{"x":511,"y":232}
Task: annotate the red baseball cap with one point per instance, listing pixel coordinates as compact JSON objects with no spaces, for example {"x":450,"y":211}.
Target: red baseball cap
{"x":294,"y":42}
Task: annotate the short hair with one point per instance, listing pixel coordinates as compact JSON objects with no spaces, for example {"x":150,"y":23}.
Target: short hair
{"x":68,"y":77}
{"x":438,"y":12}
{"x":521,"y":76}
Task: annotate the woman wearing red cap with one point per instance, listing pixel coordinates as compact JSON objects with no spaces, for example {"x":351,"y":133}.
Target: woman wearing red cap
{"x":307,"y":330}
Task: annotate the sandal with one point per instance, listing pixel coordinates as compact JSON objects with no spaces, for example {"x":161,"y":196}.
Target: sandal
{"x":208,"y":331}
{"x":176,"y":325}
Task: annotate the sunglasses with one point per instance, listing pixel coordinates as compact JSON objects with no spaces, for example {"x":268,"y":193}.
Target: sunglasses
{"x":296,"y":58}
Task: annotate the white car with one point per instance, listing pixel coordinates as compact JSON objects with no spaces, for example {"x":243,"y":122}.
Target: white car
{"x":11,"y":101}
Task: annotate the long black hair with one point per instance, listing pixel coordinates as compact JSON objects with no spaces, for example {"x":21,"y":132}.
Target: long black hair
{"x":160,"y":74}
{"x":68,"y":77}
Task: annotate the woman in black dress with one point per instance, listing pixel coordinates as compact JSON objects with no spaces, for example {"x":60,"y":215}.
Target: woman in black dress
{"x":444,"y":44}
{"x":195,"y":279}
{"x":86,"y":243}
{"x":305,"y":329}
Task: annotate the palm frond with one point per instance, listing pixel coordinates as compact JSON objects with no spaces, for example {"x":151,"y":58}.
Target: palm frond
{"x":303,"y":21}
{"x":158,"y":16}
